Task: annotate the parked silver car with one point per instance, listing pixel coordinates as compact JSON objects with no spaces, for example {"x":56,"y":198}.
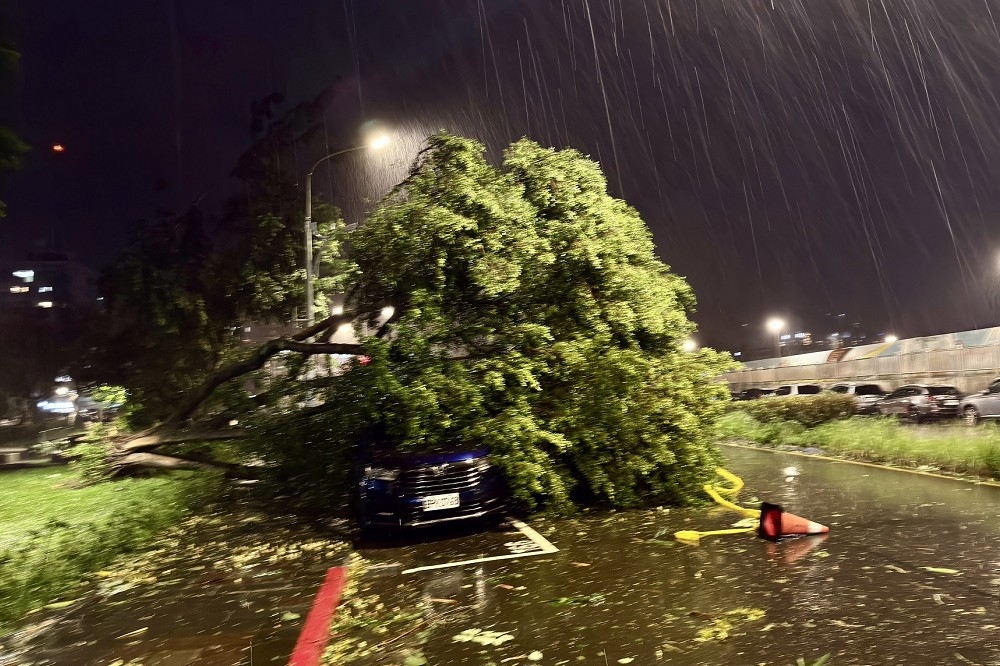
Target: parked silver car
{"x":918,"y":402}
{"x":790,"y":390}
{"x":983,"y":405}
{"x":752,"y":394}
{"x":866,"y":396}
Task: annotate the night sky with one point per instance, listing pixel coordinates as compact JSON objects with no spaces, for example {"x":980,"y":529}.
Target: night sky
{"x":792,"y":157}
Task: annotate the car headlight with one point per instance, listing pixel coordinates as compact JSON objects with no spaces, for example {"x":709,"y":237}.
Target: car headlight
{"x":381,"y":473}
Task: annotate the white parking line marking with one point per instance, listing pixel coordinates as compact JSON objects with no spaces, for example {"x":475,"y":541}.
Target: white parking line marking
{"x":535,"y":537}
{"x":544,"y":545}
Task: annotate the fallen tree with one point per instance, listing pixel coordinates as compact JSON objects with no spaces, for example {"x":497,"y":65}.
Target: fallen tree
{"x":129,"y":452}
{"x":530,"y":315}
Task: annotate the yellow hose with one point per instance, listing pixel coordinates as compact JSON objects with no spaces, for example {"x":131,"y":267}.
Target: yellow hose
{"x":731,"y":478}
{"x":713,"y":493}
{"x":716,"y":492}
{"x":690,"y":536}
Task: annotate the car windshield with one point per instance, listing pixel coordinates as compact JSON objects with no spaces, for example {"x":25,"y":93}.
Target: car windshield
{"x":942,"y":390}
{"x":808,"y":389}
{"x":869,"y":389}
{"x":783,"y":390}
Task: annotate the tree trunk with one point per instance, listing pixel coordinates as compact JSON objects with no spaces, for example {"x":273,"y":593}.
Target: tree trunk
{"x":137,"y":451}
{"x":144,"y":460}
{"x":154,"y":440}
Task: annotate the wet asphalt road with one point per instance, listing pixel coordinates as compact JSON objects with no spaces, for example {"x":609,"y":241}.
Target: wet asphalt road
{"x":219,"y":590}
{"x":622,"y":590}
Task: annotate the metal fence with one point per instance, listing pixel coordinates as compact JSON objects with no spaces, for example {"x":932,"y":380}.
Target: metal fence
{"x":968,"y":369}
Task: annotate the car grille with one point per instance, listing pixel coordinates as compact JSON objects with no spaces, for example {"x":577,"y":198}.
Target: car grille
{"x":478,"y":485}
{"x":439,"y":479}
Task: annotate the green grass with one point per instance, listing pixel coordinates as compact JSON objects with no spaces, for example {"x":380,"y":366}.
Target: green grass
{"x":952,"y":447}
{"x":53,"y":532}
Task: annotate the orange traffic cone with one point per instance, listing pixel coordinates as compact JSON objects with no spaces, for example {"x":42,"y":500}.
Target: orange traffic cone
{"x":775,"y":523}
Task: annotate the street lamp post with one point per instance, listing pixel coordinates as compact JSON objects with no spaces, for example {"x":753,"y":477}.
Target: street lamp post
{"x":775,"y":325}
{"x":376,"y":143}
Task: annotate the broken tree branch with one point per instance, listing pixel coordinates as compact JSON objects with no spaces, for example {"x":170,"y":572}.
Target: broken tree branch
{"x":157,"y":461}
{"x":191,"y":404}
{"x":153,"y":440}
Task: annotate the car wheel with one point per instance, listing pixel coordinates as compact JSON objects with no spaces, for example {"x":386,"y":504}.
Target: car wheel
{"x":914,"y":415}
{"x":356,"y":507}
{"x":971,"y":416}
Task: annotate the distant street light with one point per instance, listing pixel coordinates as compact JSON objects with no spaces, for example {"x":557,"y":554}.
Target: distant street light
{"x":776,"y":325}
{"x":58,"y":148}
{"x":689,"y":345}
{"x":890,"y":339}
{"x":374,"y":143}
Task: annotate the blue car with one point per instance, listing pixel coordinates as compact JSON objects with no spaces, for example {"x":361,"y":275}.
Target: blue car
{"x":401,"y":490}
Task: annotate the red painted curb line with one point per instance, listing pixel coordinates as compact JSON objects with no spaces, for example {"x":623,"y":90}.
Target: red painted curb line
{"x":316,"y":632}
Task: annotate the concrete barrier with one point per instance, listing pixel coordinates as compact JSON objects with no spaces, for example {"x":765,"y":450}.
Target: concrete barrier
{"x":968,"y":369}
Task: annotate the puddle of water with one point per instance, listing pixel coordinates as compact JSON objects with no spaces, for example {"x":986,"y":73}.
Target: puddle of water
{"x":879,"y":589}
{"x":908,"y":574}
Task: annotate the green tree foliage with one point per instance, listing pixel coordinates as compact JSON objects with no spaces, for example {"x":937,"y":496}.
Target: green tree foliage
{"x":264,"y":271}
{"x":332,"y":268}
{"x":809,"y":410}
{"x":183,"y":288}
{"x":167,"y":324}
{"x":533,"y":317}
{"x":107,"y":395}
{"x":261,"y":231}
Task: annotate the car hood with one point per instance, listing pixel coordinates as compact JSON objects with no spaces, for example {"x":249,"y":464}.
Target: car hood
{"x":394,"y":458}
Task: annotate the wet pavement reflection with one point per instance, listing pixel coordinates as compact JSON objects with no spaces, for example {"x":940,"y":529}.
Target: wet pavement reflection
{"x":909,"y":574}
{"x":218,"y":591}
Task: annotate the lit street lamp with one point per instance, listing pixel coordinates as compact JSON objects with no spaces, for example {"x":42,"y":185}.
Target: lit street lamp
{"x":376,"y":142}
{"x":890,"y":339}
{"x":776,"y":325}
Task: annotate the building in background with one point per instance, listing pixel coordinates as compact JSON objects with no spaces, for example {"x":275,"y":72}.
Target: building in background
{"x":47,"y":286}
{"x":47,"y":300}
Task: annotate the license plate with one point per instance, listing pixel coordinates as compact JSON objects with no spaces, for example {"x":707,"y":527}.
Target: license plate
{"x":437,"y":502}
{"x":951,"y":402}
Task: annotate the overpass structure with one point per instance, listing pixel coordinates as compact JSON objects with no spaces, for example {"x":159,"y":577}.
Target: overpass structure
{"x":967,"y":360}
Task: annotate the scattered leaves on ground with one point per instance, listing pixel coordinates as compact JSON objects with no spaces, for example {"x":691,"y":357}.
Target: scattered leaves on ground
{"x":58,"y":605}
{"x":722,"y":625}
{"x":134,"y":634}
{"x":364,"y":625}
{"x":590,"y":599}
{"x":482,"y":637}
